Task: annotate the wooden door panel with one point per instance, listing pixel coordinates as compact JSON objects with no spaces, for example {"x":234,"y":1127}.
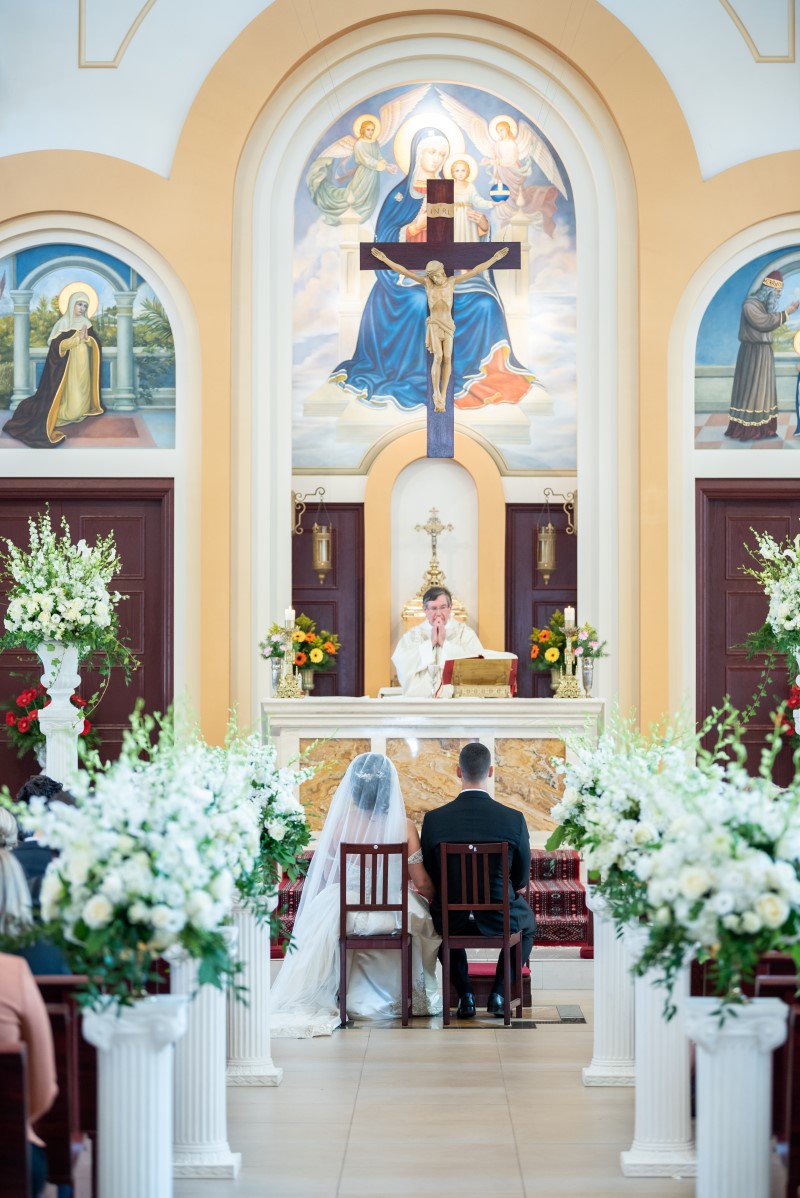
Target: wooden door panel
{"x":730,"y":605}
{"x":529,"y":603}
{"x":139,"y":513}
{"x":337,"y":604}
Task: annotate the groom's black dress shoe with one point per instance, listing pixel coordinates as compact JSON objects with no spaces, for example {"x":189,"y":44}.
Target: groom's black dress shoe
{"x":496,"y":1004}
{"x":466,"y":1007}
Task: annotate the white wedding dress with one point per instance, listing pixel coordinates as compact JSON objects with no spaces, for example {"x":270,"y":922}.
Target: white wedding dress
{"x":367,"y":809}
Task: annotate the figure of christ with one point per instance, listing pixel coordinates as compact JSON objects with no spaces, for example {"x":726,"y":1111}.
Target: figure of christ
{"x":440,"y":327}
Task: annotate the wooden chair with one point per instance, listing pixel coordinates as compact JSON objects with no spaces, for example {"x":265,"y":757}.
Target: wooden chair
{"x":15,"y":1157}
{"x":468,"y":869}
{"x":374,"y":863}
{"x":56,"y":1126}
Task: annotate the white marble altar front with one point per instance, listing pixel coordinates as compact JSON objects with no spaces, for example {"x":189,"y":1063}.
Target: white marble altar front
{"x":423,"y":738}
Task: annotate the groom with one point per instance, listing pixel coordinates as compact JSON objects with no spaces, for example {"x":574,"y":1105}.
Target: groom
{"x":475,"y":817}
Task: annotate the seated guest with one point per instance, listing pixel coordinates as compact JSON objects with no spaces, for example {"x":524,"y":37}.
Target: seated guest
{"x":23,"y":1016}
{"x":475,"y":817}
{"x":34,"y":857}
{"x":422,"y":651}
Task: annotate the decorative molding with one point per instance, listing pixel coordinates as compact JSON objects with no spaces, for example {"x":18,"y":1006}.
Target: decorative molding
{"x":112,"y":64}
{"x":749,"y":41}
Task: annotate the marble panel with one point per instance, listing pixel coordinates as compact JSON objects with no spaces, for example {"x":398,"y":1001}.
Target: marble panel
{"x":525,"y":779}
{"x":334,"y":754}
{"x":427,"y":770}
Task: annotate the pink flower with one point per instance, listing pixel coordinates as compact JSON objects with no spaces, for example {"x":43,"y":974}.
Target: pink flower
{"x":594,"y":644}
{"x":578,"y":651}
{"x":582,"y":634}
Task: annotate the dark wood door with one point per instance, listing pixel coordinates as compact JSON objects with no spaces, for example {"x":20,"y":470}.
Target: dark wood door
{"x":730,"y":604}
{"x":337,"y":604}
{"x":529,"y":603}
{"x":139,"y":513}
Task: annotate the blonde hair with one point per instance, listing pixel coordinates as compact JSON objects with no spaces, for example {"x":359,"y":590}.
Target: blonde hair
{"x":15,"y":897}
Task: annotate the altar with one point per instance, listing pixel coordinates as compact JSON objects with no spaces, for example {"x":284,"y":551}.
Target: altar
{"x":423,"y":738}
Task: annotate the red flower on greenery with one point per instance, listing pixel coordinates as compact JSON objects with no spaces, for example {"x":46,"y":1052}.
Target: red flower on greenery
{"x":300,"y":658}
{"x":78,"y":701}
{"x":87,"y":727}
{"x":23,"y":724}
{"x":34,"y":715}
{"x":11,"y":719}
{"x":23,"y":699}
{"x":794,"y":697}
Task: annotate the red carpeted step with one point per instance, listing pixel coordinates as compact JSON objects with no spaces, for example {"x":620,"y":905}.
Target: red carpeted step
{"x":481,"y":975}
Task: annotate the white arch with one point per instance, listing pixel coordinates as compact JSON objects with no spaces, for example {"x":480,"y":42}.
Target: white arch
{"x":80,"y":262}
{"x":181,"y":463}
{"x":399,"y":51}
{"x":686,"y":464}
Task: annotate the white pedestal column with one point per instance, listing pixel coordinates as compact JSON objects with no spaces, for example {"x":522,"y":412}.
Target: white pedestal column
{"x":134,"y":1098}
{"x":612,"y":1056}
{"x":60,"y":721}
{"x":201,"y":1135}
{"x":22,"y":346}
{"x":249,"y":1047}
{"x":662,"y":1138}
{"x":125,"y":396}
{"x":734,"y":1081}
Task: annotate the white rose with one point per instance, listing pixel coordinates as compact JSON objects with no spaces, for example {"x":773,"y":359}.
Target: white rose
{"x":773,"y":910}
{"x":112,"y":887}
{"x":51,"y":894}
{"x":723,"y":903}
{"x":694,"y":881}
{"x":77,"y":865}
{"x":751,"y":923}
{"x":662,"y":917}
{"x":200,"y":910}
{"x":97,"y":911}
{"x":276,"y":829}
{"x":161,"y":916}
{"x":139,"y":912}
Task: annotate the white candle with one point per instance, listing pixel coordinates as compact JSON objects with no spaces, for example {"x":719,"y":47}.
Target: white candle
{"x":288,"y":618}
{"x":569,"y":617}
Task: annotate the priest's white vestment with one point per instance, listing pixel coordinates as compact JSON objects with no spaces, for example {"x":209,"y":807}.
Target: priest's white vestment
{"x":416,"y":654}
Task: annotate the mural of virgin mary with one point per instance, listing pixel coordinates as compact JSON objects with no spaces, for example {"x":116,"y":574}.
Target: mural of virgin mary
{"x":389,"y":364}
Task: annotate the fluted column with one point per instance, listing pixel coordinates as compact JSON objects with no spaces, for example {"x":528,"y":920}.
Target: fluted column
{"x":22,"y":346}
{"x":612,"y":1050}
{"x":201,"y":1134}
{"x":125,"y":395}
{"x":662,"y":1137}
{"x":734,"y":1083}
{"x":60,"y":721}
{"x":134,"y":1094}
{"x":249,"y":1048}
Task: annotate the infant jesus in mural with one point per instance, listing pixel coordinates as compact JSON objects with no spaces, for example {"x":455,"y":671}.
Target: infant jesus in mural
{"x":440,"y":327}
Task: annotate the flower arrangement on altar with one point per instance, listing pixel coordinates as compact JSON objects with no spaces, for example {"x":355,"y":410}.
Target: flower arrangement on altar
{"x":778,"y":573}
{"x":548,"y":644}
{"x":21,"y":721}
{"x":157,"y":849}
{"x":60,"y":592}
{"x":705,"y":858}
{"x":313,"y":650}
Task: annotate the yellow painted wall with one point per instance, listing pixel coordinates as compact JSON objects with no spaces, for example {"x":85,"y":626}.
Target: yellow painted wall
{"x":188,"y":220}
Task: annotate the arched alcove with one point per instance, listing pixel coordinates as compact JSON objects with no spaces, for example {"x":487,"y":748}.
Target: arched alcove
{"x":533,"y":78}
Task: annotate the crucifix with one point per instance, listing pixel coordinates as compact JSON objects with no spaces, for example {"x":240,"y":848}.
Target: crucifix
{"x":409,"y":257}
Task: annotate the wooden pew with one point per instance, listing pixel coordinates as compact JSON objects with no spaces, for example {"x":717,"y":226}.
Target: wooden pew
{"x":15,"y":1157}
{"x":57,"y":1125}
{"x":789,"y":1141}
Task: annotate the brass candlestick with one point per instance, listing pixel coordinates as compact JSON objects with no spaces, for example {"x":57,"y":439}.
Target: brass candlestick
{"x":568,"y":687}
{"x":288,"y":687}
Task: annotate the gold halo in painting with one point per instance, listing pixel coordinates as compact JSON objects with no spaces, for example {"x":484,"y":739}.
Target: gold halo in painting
{"x":67,"y":293}
{"x":360,"y":120}
{"x":421,"y":120}
{"x":468,"y":160}
{"x":499,"y":120}
{"x":796,"y":342}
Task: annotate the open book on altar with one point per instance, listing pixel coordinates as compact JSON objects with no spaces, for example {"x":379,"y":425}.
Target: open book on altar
{"x":492,"y":677}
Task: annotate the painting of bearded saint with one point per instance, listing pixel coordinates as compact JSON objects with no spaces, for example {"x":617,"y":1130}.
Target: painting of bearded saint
{"x":389,"y":363}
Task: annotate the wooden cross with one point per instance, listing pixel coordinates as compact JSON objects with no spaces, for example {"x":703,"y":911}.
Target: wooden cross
{"x":454,"y":255}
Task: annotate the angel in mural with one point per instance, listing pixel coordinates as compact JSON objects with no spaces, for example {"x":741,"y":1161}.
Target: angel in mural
{"x":510,"y":148}
{"x":347,"y":173}
{"x":389,"y":363}
{"x":69,"y":389}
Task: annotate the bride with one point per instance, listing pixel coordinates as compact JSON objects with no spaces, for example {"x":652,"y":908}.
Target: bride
{"x":366,"y":809}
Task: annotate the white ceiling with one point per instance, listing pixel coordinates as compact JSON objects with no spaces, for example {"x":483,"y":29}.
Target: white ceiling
{"x":736,"y":108}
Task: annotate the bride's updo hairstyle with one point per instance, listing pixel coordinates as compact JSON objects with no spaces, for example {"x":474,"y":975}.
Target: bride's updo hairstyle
{"x":371,"y":782}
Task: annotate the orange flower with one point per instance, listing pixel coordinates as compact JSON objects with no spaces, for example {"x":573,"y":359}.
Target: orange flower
{"x":545,"y":635}
{"x":310,"y":636}
{"x":300,"y":658}
{"x":329,"y":647}
{"x":534,"y":652}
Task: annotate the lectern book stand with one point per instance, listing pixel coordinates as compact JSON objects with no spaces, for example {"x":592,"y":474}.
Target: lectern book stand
{"x":481,"y":677}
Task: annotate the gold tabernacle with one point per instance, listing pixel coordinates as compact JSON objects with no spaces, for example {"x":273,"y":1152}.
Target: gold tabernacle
{"x":482,"y":678}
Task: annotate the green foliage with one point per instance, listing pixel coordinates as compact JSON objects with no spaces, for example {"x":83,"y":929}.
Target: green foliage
{"x":152,"y":328}
{"x":43,"y":317}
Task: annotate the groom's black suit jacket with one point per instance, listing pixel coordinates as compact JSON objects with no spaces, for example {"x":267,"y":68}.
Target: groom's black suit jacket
{"x":475,"y":817}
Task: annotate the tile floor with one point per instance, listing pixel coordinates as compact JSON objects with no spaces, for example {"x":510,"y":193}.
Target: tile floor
{"x":709,"y":433}
{"x":381,"y":1112}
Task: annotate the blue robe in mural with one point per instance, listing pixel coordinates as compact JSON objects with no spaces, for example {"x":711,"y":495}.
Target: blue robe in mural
{"x":389,"y":364}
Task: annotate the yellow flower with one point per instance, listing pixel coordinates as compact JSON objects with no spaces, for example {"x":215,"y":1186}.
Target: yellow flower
{"x":316,"y":656}
{"x":551,"y":654}
{"x":298,"y":636}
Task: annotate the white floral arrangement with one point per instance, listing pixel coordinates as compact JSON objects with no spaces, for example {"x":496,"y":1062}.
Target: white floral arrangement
{"x":779,"y":575}
{"x":688,"y":845}
{"x":61,"y":592}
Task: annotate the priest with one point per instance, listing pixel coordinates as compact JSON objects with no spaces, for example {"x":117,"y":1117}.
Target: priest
{"x":422,"y":651}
